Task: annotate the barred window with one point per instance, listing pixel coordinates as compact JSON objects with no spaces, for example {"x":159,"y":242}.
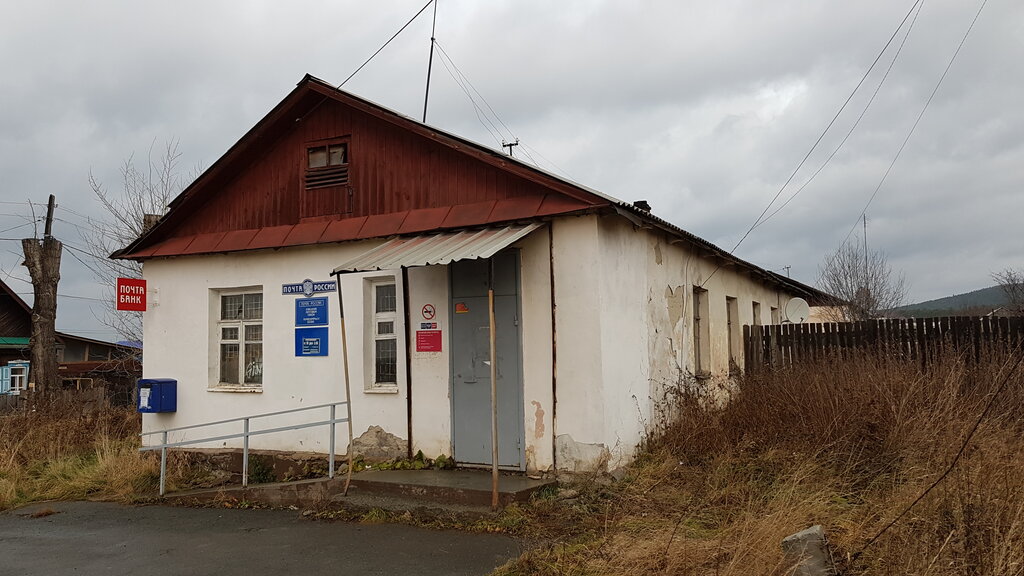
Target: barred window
{"x":385,"y":342}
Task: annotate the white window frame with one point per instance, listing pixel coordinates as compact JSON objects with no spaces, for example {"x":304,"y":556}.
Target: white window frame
{"x":240,"y":325}
{"x":19,"y":379}
{"x":372,"y":334}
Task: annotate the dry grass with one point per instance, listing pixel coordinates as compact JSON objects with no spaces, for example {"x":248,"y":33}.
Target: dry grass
{"x":58,"y":451}
{"x":847,"y":444}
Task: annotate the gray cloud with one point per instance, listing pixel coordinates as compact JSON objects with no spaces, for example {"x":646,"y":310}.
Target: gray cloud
{"x":703,"y":109}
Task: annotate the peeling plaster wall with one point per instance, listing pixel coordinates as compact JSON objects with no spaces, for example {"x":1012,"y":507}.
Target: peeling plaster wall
{"x":623,"y":319}
{"x":579,"y":411}
{"x":625,"y":331}
{"x":536,"y":345}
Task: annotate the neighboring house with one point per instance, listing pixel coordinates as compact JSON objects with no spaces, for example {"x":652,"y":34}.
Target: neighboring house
{"x":81,"y":361}
{"x":602,"y":308}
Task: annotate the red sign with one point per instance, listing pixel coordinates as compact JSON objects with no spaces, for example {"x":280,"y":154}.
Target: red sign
{"x":131,"y":294}
{"x":428,"y":340}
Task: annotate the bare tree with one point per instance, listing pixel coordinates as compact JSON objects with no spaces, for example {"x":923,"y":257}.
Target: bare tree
{"x":144,"y":191}
{"x":1012,"y":283}
{"x":864,"y":285}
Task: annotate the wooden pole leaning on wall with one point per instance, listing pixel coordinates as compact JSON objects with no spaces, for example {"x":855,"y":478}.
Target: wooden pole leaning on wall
{"x":494,"y":386}
{"x":348,"y":387}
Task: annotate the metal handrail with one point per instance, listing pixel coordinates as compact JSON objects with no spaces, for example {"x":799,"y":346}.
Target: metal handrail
{"x":239,"y":419}
{"x":246,"y":433}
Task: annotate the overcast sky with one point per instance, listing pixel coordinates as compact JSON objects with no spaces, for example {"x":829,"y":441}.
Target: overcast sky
{"x":702,"y":108}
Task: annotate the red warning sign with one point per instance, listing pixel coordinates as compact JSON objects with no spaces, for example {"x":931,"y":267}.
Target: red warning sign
{"x":428,"y":311}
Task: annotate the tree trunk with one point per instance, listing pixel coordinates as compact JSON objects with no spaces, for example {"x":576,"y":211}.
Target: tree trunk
{"x":42,"y":257}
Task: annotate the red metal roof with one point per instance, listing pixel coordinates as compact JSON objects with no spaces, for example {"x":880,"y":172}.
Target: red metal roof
{"x":405,"y":178}
{"x":360,"y":228}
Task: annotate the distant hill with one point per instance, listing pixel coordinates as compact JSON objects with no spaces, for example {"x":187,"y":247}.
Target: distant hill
{"x":971,"y":303}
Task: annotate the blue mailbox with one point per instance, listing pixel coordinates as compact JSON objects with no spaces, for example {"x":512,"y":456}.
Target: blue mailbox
{"x":158,"y":395}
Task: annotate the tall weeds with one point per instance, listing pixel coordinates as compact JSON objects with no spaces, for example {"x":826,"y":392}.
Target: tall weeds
{"x":847,"y":443}
{"x":60,"y":450}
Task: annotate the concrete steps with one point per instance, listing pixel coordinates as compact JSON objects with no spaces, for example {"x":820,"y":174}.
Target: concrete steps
{"x":390,"y":489}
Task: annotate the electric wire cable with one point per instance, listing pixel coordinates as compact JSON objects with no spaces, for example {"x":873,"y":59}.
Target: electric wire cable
{"x":469,"y":89}
{"x":849,"y":133}
{"x":916,"y":122}
{"x":395,"y":35}
{"x":372,"y":56}
{"x":956,"y":457}
{"x":476,"y":108}
{"x":830,"y":124}
{"x":470,"y":84}
{"x":814,"y":146}
{"x":36,"y":221}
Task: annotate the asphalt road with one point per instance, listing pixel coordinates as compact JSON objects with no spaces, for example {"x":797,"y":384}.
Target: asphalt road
{"x":93,"y":539}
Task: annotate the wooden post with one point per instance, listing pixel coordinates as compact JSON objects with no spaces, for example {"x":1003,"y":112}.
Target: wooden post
{"x":43,"y":261}
{"x":348,"y":387}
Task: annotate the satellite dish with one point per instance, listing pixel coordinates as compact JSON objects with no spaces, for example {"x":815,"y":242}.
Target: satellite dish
{"x":797,"y":310}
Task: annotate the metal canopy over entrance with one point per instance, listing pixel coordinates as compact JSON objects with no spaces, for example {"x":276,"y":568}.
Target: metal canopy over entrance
{"x":443,"y":248}
{"x":439,"y":249}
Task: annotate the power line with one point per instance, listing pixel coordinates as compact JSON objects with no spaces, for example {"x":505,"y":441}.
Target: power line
{"x":372,"y":56}
{"x":484,"y":119}
{"x":37,"y":220}
{"x":856,"y":123}
{"x":469,"y":89}
{"x":827,"y":128}
{"x":79,"y":214}
{"x":956,"y":457}
{"x":406,"y":25}
{"x":470,"y":84}
{"x":916,"y":121}
{"x":814,"y":146}
{"x":553,"y":165}
{"x":67,"y":296}
{"x":83,"y":262}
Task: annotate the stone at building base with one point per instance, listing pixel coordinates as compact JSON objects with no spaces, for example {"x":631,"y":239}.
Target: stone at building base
{"x":378,"y":445}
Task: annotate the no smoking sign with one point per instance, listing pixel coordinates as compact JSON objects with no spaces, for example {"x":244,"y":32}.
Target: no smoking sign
{"x":428,"y":312}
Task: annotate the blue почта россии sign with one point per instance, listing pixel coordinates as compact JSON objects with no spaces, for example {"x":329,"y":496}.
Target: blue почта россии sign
{"x":311,"y":341}
{"x":308,"y":287}
{"x":311,"y":311}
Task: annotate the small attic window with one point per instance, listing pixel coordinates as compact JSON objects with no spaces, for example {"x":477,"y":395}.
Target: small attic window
{"x":327,"y":165}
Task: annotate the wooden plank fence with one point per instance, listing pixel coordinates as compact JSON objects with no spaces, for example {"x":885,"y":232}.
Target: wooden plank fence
{"x":916,"y":339}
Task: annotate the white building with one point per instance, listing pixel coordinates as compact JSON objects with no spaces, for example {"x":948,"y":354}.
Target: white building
{"x":600,"y":306}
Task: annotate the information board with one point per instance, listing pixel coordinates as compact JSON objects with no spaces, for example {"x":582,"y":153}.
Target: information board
{"x":311,"y":341}
{"x":311,"y":311}
{"x":428,"y":340}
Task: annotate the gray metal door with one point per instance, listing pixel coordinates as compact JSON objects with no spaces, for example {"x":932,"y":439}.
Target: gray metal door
{"x":471,"y":371}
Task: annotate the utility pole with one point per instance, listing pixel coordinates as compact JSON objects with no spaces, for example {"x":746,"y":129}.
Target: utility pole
{"x":430,"y":63}
{"x":866,"y":248}
{"x":509,"y":145}
{"x":43,"y":261}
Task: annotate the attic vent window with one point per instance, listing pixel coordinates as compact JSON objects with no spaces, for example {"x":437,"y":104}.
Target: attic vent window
{"x":327,"y":166}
